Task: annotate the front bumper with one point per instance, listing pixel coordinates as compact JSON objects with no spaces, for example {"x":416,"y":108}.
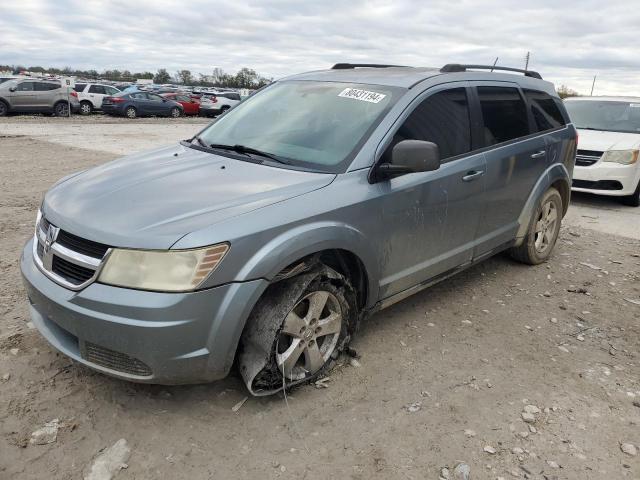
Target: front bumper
{"x":607,"y":178}
{"x":179,"y":337}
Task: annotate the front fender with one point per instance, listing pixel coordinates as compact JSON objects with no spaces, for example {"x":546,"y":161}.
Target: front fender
{"x":304,"y":240}
{"x":556,"y":172}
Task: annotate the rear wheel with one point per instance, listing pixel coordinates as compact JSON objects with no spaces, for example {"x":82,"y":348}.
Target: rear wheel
{"x":632,"y":200}
{"x":224,"y":108}
{"x":297,"y":330}
{"x":175,"y":112}
{"x":61,"y":109}
{"x":543,"y":231}
{"x":4,"y":109}
{"x":131,"y":112}
{"x":86,"y":108}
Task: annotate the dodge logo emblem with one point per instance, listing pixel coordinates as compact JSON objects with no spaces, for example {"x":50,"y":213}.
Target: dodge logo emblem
{"x":47,"y":256}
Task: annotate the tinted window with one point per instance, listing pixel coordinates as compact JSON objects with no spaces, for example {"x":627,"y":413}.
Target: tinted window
{"x":154,"y":98}
{"x":230,"y":96}
{"x":139,"y":96}
{"x":43,"y":87}
{"x":80,"y":87}
{"x":443,"y":119}
{"x":97,"y":89}
{"x":25,"y":87}
{"x":545,"y":110}
{"x":504,"y":113}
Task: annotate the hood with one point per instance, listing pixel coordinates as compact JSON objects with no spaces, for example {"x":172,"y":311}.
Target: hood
{"x":152,"y":199}
{"x":603,"y":141}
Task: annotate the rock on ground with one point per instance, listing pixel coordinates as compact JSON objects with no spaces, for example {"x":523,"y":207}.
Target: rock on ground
{"x":110,"y":461}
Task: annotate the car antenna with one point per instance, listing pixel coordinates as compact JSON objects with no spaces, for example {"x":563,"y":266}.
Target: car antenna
{"x":494,"y":63}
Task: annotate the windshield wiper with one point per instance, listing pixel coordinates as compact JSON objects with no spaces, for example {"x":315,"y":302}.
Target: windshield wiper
{"x":247,"y":150}
{"x":200,"y":141}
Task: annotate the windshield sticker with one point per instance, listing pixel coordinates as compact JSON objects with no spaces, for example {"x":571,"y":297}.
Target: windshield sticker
{"x":362,"y":95}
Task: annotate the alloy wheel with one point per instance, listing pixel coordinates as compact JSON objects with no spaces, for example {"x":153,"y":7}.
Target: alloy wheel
{"x":546,"y":227}
{"x":85,"y":108}
{"x":131,"y":112}
{"x":309,"y":335}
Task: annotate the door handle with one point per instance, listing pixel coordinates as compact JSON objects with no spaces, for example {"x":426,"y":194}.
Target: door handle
{"x":539,"y":154}
{"x":472,"y":175}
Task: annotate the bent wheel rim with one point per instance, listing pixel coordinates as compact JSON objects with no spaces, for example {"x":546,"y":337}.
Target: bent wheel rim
{"x":546,"y":227}
{"x":309,"y":335}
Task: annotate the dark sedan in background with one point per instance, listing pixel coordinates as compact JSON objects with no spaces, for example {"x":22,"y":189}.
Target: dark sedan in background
{"x":136,"y":104}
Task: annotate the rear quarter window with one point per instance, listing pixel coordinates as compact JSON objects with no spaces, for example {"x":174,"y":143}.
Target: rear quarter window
{"x":545,"y":110}
{"x":504,"y":114}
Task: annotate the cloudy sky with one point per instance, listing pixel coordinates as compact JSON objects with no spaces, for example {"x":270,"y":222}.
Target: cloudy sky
{"x":570,"y":41}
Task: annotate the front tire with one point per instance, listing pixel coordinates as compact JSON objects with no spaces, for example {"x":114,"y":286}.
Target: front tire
{"x":130,"y":112}
{"x":86,"y":108}
{"x":4,"y":109}
{"x":543,"y":231}
{"x":302,"y":324}
{"x":61,"y":109}
{"x":632,"y":200}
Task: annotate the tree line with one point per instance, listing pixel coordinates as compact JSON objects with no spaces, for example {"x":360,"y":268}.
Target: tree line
{"x":244,"y":78}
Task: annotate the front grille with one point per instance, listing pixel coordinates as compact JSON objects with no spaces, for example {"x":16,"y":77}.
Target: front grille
{"x":81,"y":245}
{"x":115,"y":360}
{"x":599,"y":185}
{"x":70,"y":271}
{"x":586,"y":158}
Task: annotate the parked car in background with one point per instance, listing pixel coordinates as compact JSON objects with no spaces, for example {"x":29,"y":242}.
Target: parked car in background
{"x":190,"y":105}
{"x":212,"y":104}
{"x":139,"y":104}
{"x":265,"y":239}
{"x":91,"y":95}
{"x":607,"y":161}
{"x":36,"y":96}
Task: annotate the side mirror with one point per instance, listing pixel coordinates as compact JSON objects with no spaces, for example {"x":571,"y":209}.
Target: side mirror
{"x":13,"y":89}
{"x":411,"y":156}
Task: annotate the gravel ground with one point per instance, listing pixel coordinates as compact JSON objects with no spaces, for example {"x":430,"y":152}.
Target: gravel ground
{"x":443,"y":377}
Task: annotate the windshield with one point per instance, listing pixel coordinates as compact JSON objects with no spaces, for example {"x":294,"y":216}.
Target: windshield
{"x":315,"y":125}
{"x":610,"y":116}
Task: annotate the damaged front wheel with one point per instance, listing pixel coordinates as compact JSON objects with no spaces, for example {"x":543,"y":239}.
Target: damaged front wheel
{"x":297,"y":330}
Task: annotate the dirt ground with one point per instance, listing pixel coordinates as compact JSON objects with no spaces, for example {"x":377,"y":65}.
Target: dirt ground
{"x":443,"y":377}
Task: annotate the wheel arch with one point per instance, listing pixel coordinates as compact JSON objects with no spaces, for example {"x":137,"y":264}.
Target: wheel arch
{"x":556,"y":176}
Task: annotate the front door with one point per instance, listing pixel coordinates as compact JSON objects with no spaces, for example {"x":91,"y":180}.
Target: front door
{"x":429,"y":220}
{"x":24,"y":96}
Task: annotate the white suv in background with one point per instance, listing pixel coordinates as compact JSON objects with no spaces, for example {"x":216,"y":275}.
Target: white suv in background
{"x":607,"y":161}
{"x":91,"y":95}
{"x":215,"y":103}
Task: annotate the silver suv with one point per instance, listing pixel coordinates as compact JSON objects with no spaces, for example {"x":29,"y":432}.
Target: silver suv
{"x":36,"y":96}
{"x":266,"y":238}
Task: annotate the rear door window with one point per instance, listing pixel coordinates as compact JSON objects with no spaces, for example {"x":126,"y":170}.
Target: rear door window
{"x":44,"y":87}
{"x":25,"y":87}
{"x":80,"y":87}
{"x":504,"y":113}
{"x":545,"y":110}
{"x":442,"y":118}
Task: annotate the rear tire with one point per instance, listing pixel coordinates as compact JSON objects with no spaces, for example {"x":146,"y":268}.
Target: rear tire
{"x":4,"y":109}
{"x":543,"y":230}
{"x":86,"y":108}
{"x":61,"y":109}
{"x":130,"y":112}
{"x":632,"y":200}
{"x":175,"y":112}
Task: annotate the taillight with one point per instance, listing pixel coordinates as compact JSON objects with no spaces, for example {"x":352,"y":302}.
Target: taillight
{"x":214,"y":100}
{"x":116,"y":99}
{"x":73,"y":93}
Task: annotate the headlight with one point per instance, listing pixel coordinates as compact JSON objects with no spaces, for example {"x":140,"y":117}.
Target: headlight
{"x":166,"y":271}
{"x":625,"y":157}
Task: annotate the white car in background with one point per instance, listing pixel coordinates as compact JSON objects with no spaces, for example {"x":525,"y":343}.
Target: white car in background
{"x":212,"y":104}
{"x":90,"y":95}
{"x":609,"y":141}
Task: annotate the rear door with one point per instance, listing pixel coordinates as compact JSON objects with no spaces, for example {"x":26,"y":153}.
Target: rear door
{"x":96,"y":95}
{"x":516,"y":156}
{"x":430,"y":218}
{"x":157,"y":104}
{"x":46,"y":94}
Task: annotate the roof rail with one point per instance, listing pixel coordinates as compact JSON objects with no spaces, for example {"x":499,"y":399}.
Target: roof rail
{"x":457,"y":67}
{"x":346,"y":66}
